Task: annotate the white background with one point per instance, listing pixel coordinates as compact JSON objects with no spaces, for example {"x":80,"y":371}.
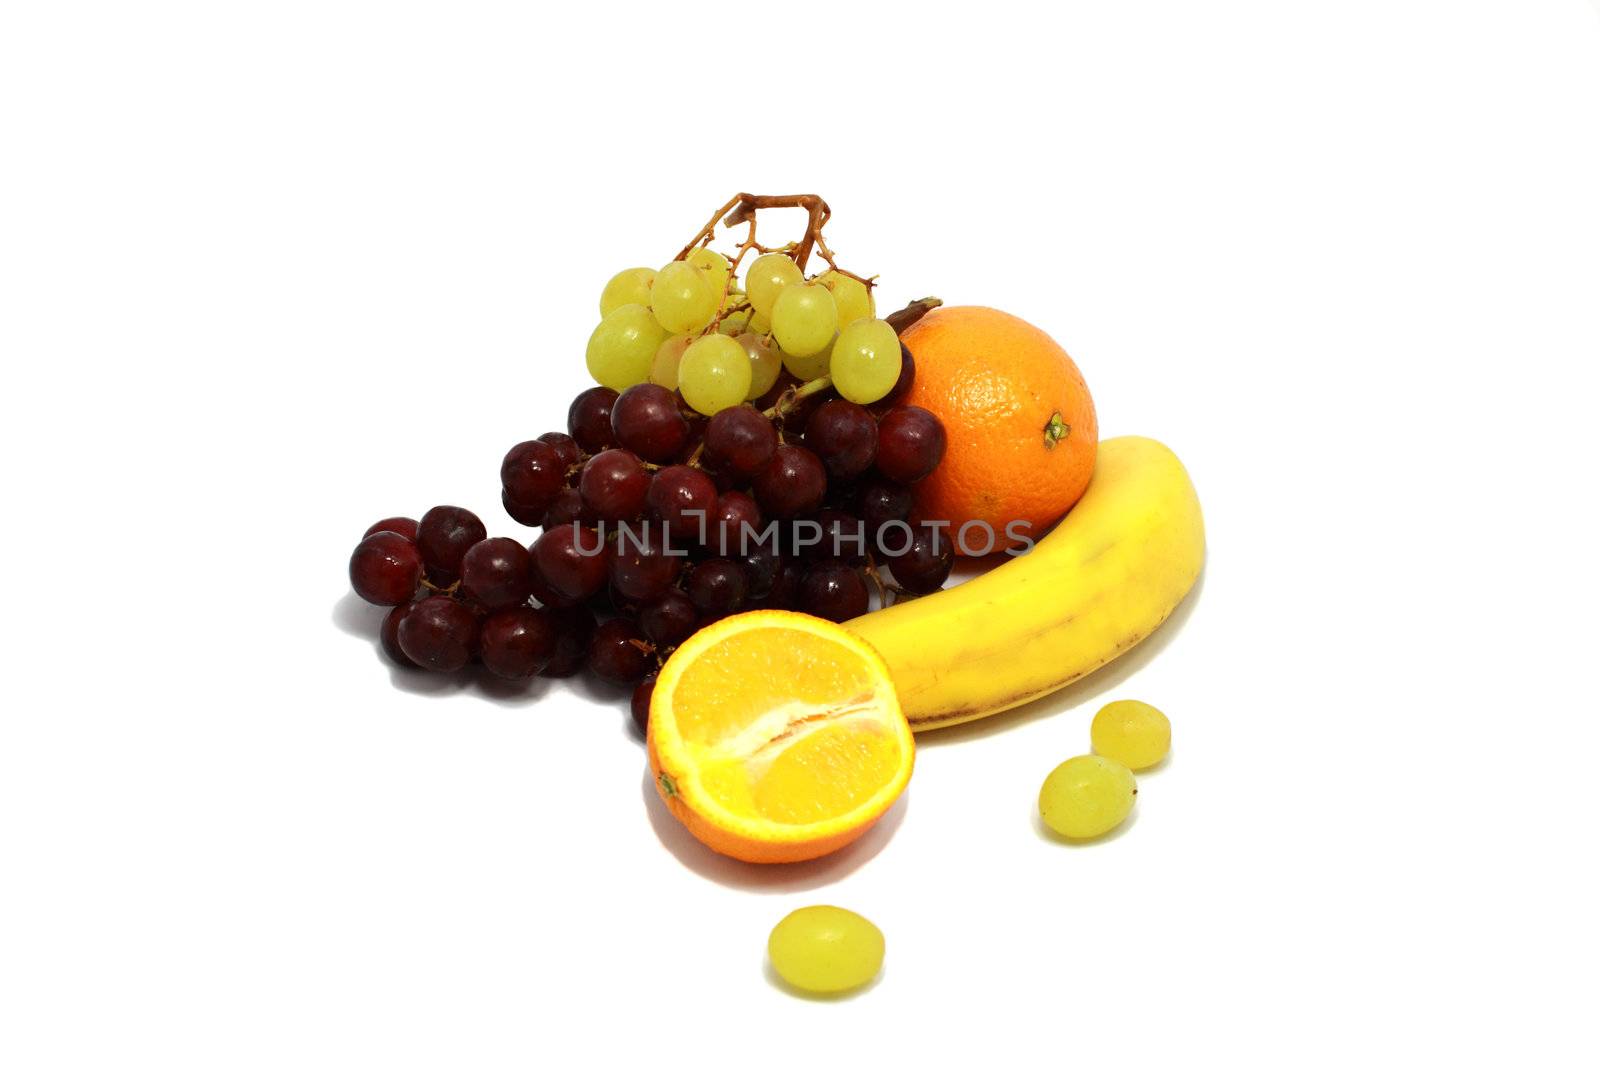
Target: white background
{"x":271,"y":272}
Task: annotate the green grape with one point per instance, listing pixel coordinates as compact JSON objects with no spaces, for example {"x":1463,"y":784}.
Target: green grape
{"x":736,"y":322}
{"x":1086,"y":796}
{"x":766,"y":278}
{"x":765,"y":363}
{"x":664,"y":367}
{"x":682,"y":299}
{"x":714,"y":373}
{"x":866,"y":361}
{"x":1131,"y":732}
{"x":631,"y":286}
{"x":623,"y":346}
{"x":714,"y":265}
{"x":823,"y":949}
{"x":760,"y":323}
{"x":807,"y":368}
{"x":854,"y":299}
{"x":804,"y":319}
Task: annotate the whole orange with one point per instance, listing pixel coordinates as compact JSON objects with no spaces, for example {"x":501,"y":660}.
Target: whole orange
{"x":1018,"y":419}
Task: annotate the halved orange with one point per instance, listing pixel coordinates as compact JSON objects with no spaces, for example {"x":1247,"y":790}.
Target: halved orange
{"x":776,"y":736}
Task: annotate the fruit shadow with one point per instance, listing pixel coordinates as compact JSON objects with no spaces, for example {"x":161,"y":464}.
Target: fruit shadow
{"x":767,"y":877}
{"x":1107,"y":678}
{"x":360,"y":619}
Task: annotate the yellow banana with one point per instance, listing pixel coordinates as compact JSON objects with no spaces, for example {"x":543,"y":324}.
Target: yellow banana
{"x":1092,"y":588}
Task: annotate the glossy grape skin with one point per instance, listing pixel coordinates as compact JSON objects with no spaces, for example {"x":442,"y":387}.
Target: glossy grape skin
{"x":684,"y":499}
{"x":439,"y":634}
{"x":645,"y":420}
{"x":766,"y":363}
{"x":566,"y":447}
{"x":574,"y":626}
{"x":614,"y":485}
{"x":853,"y":298}
{"x":823,"y":949}
{"x":623,"y":345}
{"x":844,"y":436}
{"x":734,"y":524}
{"x":925,"y":565}
{"x":668,"y":621}
{"x":589,"y":419}
{"x":844,"y":536}
{"x":406,"y":528}
{"x":497,"y":573}
{"x":531,"y":474}
{"x":1087,"y":796}
{"x":444,"y":535}
{"x":740,"y":440}
{"x":911,"y":443}
{"x":389,"y":635}
{"x":791,"y":484}
{"x":714,"y":266}
{"x":664,"y":367}
{"x":882,"y":501}
{"x":517,"y":642}
{"x":566,"y":508}
{"x":385,"y":569}
{"x":717,"y":587}
{"x":681,"y":298}
{"x":524,"y":515}
{"x":714,"y":374}
{"x":571,"y":563}
{"x":615,"y":653}
{"x":639,"y":704}
{"x":762,"y":566}
{"x":834,"y":590}
{"x":640,"y":567}
{"x":1133,"y":733}
{"x":865,"y":362}
{"x":767,"y":277}
{"x":902,"y":385}
{"x":804,"y":319}
{"x":630,"y":286}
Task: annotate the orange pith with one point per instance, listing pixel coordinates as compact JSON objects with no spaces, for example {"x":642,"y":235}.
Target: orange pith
{"x":776,"y":737}
{"x":1018,"y":418}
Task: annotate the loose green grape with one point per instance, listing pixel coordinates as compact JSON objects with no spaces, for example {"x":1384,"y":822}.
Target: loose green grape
{"x":767,"y":277}
{"x":1131,"y":732}
{"x":664,"y":367}
{"x":714,"y":373}
{"x":714,"y":265}
{"x":866,"y":361}
{"x":631,"y":286}
{"x":765,"y":363}
{"x":807,"y":368}
{"x":622,"y":347}
{"x":854,"y":299}
{"x":1086,"y":796}
{"x":804,"y":319}
{"x":823,"y":949}
{"x":682,"y":299}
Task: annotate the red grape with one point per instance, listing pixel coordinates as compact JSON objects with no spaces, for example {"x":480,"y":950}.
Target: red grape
{"x":618,"y":652}
{"x":517,"y":642}
{"x":525,"y":515}
{"x":640,"y":704}
{"x":843,"y":536}
{"x":614,"y":485}
{"x":762,"y":565}
{"x":641,"y":569}
{"x":735,"y":523}
{"x":844,"y":436}
{"x":389,"y":634}
{"x":385,"y":569}
{"x":531,"y":474}
{"x":589,"y":419}
{"x":902,"y":384}
{"x":684,"y":499}
{"x":497,"y":573}
{"x":740,"y":440}
{"x":883,"y":501}
{"x":786,"y":585}
{"x":440,"y":633}
{"x":924,"y":566}
{"x":646,"y":421}
{"x":574,"y":626}
{"x":406,"y":528}
{"x":718,"y":587}
{"x":445,"y":534}
{"x":669,"y":621}
{"x":571,"y":563}
{"x":834,"y":590}
{"x":566,"y":508}
{"x":791,"y":484}
{"x":910,"y":444}
{"x":564,"y":444}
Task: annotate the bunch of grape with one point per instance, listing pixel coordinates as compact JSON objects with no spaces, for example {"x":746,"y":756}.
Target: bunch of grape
{"x":741,"y":451}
